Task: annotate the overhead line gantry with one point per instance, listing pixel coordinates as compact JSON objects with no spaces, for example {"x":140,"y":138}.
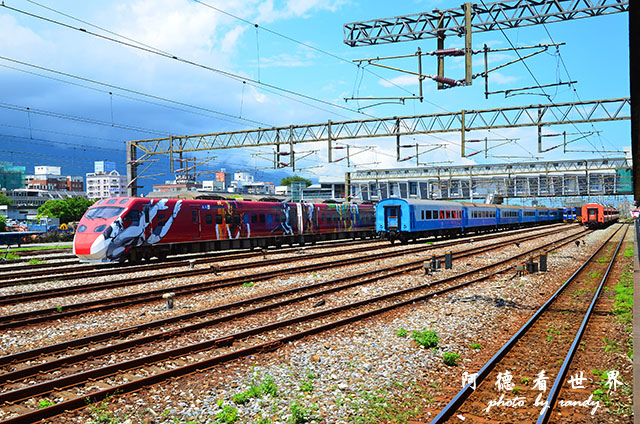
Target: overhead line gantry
{"x":462,"y":121}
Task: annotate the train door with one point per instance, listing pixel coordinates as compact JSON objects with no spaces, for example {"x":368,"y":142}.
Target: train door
{"x":392,"y":217}
{"x":592,"y":214}
{"x":196,"y":225}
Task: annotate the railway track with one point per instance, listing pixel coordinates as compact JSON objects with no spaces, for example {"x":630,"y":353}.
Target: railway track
{"x":11,"y":275}
{"x":542,"y":350}
{"x":63,"y":311}
{"x":97,"y":380}
{"x":35,"y":273}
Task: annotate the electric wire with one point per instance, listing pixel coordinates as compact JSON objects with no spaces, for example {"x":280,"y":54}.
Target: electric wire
{"x":115,"y":87}
{"x":187,"y":61}
{"x":575,"y":90}
{"x":73,"y":146}
{"x":293,"y":40}
{"x":533,"y":75}
{"x":80,"y":119}
{"x":4,"y":124}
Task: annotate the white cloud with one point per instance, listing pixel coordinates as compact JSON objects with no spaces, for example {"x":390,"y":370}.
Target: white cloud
{"x":402,"y":80}
{"x":295,"y":8}
{"x":501,"y":79}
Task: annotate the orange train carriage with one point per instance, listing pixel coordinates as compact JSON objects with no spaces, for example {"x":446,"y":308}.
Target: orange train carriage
{"x":595,"y":215}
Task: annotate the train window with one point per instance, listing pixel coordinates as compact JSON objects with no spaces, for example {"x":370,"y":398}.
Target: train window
{"x":208,"y":219}
{"x":111,"y":201}
{"x":441,"y":214}
{"x":262,"y":220}
{"x":254,"y":218}
{"x":245,"y":218}
{"x":194,"y":217}
{"x":123,"y":201}
{"x":236,"y":219}
{"x":427,"y":214}
{"x":227,"y":219}
{"x":81,"y":229}
{"x":103,"y":212}
{"x":269,"y":219}
{"x":133,"y":217}
{"x":218,"y":219}
{"x":99,"y":228}
{"x":277,"y":217}
{"x":447,"y":214}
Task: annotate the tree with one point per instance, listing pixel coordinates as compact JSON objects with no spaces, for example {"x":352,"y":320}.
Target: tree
{"x":3,"y":223}
{"x":4,"y":200}
{"x":68,"y":210}
{"x":287,"y":181}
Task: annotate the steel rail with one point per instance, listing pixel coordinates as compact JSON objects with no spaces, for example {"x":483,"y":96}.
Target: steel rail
{"x":85,"y":288}
{"x":63,"y":311}
{"x":362,"y":278}
{"x":153,"y":324}
{"x":225,"y":341}
{"x":47,"y":293}
{"x":557,"y":384}
{"x":450,"y":409}
{"x":93,"y":270}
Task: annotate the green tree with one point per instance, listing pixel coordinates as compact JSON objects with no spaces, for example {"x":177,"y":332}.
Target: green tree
{"x":68,"y":210}
{"x":3,"y":223}
{"x":4,"y":200}
{"x":287,"y":181}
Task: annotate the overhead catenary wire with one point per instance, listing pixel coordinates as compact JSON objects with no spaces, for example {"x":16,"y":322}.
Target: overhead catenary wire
{"x":573,"y":87}
{"x":293,"y":40}
{"x":66,"y":134}
{"x":73,"y":146}
{"x":188,"y":61}
{"x":136,"y":92}
{"x":93,"y":121}
{"x":533,"y":75}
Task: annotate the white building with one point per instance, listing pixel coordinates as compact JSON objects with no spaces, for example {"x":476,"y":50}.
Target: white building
{"x":101,"y":185}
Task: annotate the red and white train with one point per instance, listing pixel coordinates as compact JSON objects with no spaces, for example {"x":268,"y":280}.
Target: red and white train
{"x":122,"y":228}
{"x":595,"y":215}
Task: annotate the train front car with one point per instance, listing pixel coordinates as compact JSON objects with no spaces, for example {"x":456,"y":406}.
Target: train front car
{"x":112,"y":227}
{"x":595,"y":215}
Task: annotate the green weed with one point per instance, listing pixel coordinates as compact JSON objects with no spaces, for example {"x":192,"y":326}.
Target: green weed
{"x":450,"y":358}
{"x":249,"y":284}
{"x":255,"y":390}
{"x":401,"y":332}
{"x":229,"y":414}
{"x":427,"y":338}
{"x":475,"y":346}
{"x":300,"y":414}
{"x":45,"y":403}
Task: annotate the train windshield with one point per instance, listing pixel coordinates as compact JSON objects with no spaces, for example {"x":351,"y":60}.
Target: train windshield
{"x":103,"y":212}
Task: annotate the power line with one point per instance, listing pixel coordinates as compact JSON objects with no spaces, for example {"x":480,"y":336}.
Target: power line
{"x":533,"y":76}
{"x":4,"y":124}
{"x":115,"y":87}
{"x":186,"y":61}
{"x":47,"y":142}
{"x":575,"y":90}
{"x":293,"y":40}
{"x":80,"y":119}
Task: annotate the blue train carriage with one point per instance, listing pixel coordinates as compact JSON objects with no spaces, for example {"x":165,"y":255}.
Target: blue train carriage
{"x":568,"y":214}
{"x":529,"y":215}
{"x":411,"y":219}
{"x":479,"y":217}
{"x":509,"y":216}
{"x":548,"y":215}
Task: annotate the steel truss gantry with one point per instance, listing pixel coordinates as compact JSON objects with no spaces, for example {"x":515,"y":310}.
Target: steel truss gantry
{"x":526,"y":179}
{"x":462,"y":121}
{"x":484,"y":17}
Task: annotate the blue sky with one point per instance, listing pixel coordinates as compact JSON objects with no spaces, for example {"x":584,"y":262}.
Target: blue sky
{"x":596,"y":55}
